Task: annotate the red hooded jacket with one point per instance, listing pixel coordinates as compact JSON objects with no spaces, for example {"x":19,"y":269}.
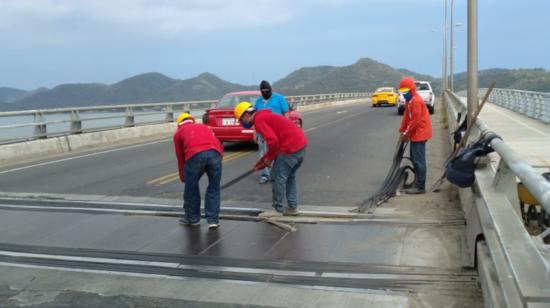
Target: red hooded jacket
{"x":416,"y":123}
{"x":190,"y":139}
{"x":279,"y":133}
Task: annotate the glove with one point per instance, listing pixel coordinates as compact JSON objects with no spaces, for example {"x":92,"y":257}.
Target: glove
{"x":259,"y":165}
{"x":263,"y":163}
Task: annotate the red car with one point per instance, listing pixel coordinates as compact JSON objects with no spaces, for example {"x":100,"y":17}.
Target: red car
{"x":221,"y":118}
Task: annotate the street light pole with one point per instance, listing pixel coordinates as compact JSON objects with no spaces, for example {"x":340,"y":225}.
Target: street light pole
{"x":473,"y":100}
{"x":444,"y":79}
{"x":451,"y":86}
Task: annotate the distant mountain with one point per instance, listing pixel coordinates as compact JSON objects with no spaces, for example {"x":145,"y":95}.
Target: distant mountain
{"x":435,"y":82}
{"x":536,"y":79}
{"x":144,"y":88}
{"x":11,"y":95}
{"x":204,"y":86}
{"x":363,"y":76}
{"x":8,"y":107}
{"x":300,"y":79}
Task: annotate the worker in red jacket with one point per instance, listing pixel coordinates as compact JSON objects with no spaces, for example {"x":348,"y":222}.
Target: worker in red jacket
{"x":286,"y":149}
{"x":416,"y":127}
{"x":198,"y":151}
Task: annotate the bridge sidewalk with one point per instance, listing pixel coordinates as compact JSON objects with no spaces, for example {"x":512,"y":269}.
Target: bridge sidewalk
{"x":528,"y":137}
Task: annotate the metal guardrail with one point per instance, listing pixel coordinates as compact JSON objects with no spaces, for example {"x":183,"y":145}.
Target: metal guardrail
{"x":532,"y":104}
{"x":128,"y":115}
{"x":513,"y":265}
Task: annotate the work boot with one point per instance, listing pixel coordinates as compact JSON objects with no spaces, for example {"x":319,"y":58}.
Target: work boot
{"x":289,"y":211}
{"x":415,"y":191}
{"x":213,"y":225}
{"x":270,"y":213}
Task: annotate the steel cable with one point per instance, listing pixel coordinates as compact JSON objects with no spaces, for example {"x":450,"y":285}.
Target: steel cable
{"x":396,"y":177}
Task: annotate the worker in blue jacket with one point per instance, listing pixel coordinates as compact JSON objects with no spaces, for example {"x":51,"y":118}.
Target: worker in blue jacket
{"x":277,"y":104}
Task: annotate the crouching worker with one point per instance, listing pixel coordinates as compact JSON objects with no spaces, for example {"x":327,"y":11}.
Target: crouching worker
{"x":286,"y":148}
{"x":198,"y":151}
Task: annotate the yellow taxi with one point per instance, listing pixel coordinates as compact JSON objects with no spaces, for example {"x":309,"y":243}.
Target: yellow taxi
{"x":384,"y":96}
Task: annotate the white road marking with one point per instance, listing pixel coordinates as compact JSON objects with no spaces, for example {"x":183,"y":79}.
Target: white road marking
{"x":80,"y":156}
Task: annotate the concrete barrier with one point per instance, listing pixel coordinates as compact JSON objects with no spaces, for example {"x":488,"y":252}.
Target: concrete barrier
{"x":37,"y":149}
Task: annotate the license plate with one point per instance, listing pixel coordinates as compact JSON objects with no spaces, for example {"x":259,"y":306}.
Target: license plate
{"x":228,"y":121}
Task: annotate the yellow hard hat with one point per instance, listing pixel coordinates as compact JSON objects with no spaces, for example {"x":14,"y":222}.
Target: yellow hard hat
{"x":184,"y":116}
{"x":241,"y":108}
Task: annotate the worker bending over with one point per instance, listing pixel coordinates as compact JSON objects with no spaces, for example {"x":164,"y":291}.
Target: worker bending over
{"x":198,"y":151}
{"x":286,"y":149}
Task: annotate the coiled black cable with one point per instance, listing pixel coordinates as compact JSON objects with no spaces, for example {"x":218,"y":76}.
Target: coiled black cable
{"x":397,"y":176}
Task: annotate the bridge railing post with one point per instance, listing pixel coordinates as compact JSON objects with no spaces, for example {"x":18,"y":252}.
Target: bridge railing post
{"x":169,"y":114}
{"x":186,"y":108}
{"x":40,"y":130}
{"x":505,"y":182}
{"x":76,"y":122}
{"x":537,"y":112}
{"x":130,"y":118}
{"x":545,"y":109}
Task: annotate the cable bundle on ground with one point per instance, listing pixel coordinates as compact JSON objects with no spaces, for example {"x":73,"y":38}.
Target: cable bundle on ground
{"x":397,"y":175}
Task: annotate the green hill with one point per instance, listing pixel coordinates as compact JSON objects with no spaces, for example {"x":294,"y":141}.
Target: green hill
{"x":11,"y":95}
{"x":144,"y":88}
{"x":204,"y":86}
{"x":298,"y":80}
{"x":537,"y":79}
{"x":363,"y":76}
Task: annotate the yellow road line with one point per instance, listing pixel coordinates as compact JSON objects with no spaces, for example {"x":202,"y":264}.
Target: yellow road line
{"x":175,"y":176}
{"x":239,"y":154}
{"x":154,"y":181}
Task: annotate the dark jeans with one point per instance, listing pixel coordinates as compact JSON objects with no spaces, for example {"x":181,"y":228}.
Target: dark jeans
{"x":283,"y":175}
{"x":262,"y":147}
{"x":210,"y":162}
{"x":418,"y":158}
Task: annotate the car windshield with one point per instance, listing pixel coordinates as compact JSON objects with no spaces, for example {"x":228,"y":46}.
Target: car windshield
{"x":422,"y":87}
{"x":233,"y":100}
{"x":384,"y":90}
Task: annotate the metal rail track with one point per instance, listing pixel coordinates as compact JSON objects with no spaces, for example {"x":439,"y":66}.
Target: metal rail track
{"x":230,"y":213}
{"x":407,"y":279}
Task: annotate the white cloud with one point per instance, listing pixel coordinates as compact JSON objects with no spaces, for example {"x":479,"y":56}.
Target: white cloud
{"x":57,"y":21}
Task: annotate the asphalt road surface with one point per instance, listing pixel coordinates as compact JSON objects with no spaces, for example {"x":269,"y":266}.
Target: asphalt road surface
{"x":58,"y":252}
{"x":350,"y":149}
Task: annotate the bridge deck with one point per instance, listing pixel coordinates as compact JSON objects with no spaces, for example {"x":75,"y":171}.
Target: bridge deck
{"x":408,"y":254}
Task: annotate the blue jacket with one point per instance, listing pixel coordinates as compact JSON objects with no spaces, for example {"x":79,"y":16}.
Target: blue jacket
{"x":277,"y":103}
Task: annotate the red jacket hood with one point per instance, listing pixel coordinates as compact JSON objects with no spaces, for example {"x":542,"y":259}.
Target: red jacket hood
{"x":408,"y":82}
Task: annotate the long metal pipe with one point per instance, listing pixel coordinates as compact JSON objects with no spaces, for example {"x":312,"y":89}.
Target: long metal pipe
{"x":451,"y":84}
{"x":473,"y":100}
{"x":445,"y":79}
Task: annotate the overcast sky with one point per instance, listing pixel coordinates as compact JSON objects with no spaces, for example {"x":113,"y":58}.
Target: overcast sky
{"x":49,"y":42}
